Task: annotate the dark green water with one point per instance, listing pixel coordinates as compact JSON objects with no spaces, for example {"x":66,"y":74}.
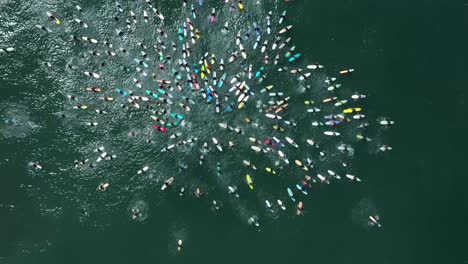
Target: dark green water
{"x":410,"y":61}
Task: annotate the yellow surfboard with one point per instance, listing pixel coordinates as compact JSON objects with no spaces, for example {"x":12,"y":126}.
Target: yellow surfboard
{"x":207,"y":67}
{"x":249,"y":181}
{"x":202,"y":72}
{"x":351,"y":110}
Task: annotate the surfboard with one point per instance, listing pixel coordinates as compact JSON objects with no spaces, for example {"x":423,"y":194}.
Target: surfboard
{"x":300,"y":188}
{"x":167,"y":183}
{"x":249,"y":181}
{"x":291,"y":195}
{"x":256,"y":148}
{"x":280,"y":203}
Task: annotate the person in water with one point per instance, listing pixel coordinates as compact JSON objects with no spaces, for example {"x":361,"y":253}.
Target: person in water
{"x":198,"y":193}
{"x":136,"y":214}
{"x":180,"y":244}
{"x":103,"y":186}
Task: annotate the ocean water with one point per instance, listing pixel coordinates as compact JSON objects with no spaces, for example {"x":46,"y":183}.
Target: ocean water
{"x":409,"y":61}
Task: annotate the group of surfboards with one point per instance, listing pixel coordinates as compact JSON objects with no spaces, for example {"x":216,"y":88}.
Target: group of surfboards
{"x":205,"y":79}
